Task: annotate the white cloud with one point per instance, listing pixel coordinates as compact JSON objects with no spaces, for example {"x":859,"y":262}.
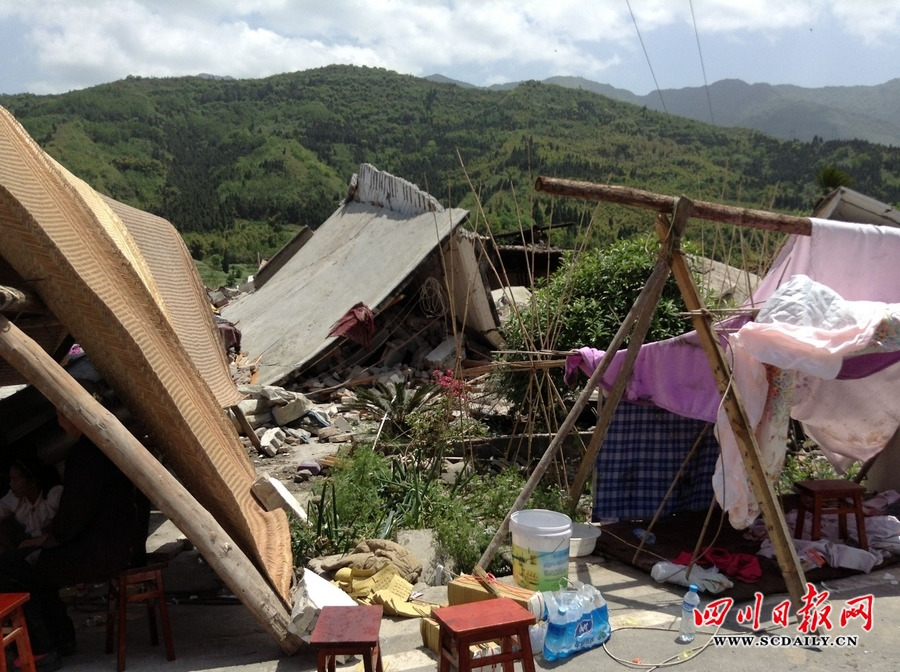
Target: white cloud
{"x":76,"y":43}
{"x":872,"y":22}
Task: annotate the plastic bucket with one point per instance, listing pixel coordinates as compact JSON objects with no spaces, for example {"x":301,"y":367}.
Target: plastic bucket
{"x":540,"y":548}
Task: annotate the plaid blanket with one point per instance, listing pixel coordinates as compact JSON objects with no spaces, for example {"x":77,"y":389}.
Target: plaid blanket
{"x":643,"y":450}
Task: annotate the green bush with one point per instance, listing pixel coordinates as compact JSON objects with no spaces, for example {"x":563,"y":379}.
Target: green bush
{"x":346,"y":508}
{"x":467,"y":519}
{"x":372,"y":496}
{"x":583,"y":304}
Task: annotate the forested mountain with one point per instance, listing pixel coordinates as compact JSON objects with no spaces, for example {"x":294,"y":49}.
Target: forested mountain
{"x":785,"y":111}
{"x":237,"y":164}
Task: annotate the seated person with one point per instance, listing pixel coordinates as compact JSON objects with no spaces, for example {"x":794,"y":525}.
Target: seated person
{"x":99,"y":529}
{"x":29,"y":506}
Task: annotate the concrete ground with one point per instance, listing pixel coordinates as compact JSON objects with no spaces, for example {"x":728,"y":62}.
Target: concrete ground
{"x":212,"y":631}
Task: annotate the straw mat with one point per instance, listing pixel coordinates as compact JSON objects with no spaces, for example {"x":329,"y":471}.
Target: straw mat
{"x":71,"y":247}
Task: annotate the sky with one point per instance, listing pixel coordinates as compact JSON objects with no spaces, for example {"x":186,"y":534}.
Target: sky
{"x":55,"y":46}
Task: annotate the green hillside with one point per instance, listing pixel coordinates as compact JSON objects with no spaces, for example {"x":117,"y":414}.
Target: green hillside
{"x":238,"y":165}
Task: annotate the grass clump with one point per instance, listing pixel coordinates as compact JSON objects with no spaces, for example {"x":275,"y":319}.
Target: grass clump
{"x":370,"y":495}
{"x":469,"y":517}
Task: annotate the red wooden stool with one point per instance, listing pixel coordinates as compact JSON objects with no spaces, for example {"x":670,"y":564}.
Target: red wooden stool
{"x":11,"y":612}
{"x":141,"y":584}
{"x":345,"y":631}
{"x":500,"y":620}
{"x":831,"y":496}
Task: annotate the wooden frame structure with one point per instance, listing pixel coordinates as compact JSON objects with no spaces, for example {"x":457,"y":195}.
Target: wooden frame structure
{"x":671,"y":260}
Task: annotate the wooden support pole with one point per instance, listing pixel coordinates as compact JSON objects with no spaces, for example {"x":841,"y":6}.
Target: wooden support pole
{"x":146,"y":472}
{"x":785,"y":552}
{"x":743,"y":432}
{"x":641,"y":304}
{"x":714,"y":212}
{"x":248,"y":429}
{"x":14,"y":300}
{"x":641,"y":327}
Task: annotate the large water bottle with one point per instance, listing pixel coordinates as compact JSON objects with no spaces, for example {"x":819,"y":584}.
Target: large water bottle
{"x":584,"y":626}
{"x":554,"y":640}
{"x":560,"y":639}
{"x":542,"y":605}
{"x":688,"y":628}
{"x":600,"y":618}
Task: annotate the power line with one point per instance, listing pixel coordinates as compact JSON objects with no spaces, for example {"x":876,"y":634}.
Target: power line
{"x":702,"y":66}
{"x":647,"y":56}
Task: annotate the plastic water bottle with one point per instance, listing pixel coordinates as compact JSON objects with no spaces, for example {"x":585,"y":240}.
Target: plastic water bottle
{"x":555,"y":639}
{"x":593,"y":627}
{"x":542,"y":605}
{"x":688,"y":629}
{"x":600,"y":618}
{"x":584,"y":626}
{"x":643,"y":535}
{"x":560,"y":639}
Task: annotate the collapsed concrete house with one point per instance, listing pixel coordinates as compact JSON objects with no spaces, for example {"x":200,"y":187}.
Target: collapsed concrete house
{"x":80,"y":268}
{"x":387,"y":251}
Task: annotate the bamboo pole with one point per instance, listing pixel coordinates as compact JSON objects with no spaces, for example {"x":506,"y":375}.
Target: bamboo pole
{"x":634,"y":347}
{"x":714,"y":212}
{"x":170,"y":496}
{"x":659,"y":275}
{"x":740,"y":424}
{"x":785,"y":552}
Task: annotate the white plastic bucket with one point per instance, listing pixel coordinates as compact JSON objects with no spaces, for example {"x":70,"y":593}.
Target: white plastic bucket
{"x":540,"y":548}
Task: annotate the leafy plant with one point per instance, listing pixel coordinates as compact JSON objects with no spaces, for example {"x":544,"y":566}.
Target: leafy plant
{"x":467,"y":519}
{"x":583,"y":304}
{"x":808,"y":464}
{"x":830,"y":178}
{"x":408,"y":494}
{"x":395,"y":403}
{"x":345,"y":508}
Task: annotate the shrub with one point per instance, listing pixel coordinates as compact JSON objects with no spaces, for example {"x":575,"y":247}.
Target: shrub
{"x":466,"y":521}
{"x":583,"y":304}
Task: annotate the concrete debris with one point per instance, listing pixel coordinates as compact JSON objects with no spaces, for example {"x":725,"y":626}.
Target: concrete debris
{"x":445,"y":356}
{"x":302,"y":435}
{"x":293,"y":410}
{"x":302,"y":475}
{"x":325,"y":433}
{"x":259,"y":419}
{"x":508,"y":299}
{"x":341,"y":423}
{"x":314,"y":468}
{"x":272,"y":494}
{"x":272,"y":440}
{"x":283,"y":419}
{"x":310,"y":595}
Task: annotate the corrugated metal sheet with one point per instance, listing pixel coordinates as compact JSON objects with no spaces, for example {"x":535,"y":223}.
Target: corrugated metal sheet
{"x":846,"y":205}
{"x":362,"y":253}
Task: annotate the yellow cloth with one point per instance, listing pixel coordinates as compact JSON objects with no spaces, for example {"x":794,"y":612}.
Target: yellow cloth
{"x":385,"y":587}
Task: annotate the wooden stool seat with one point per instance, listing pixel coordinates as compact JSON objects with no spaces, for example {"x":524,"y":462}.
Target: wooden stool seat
{"x":141,"y":584}
{"x":826,"y":497}
{"x":499,"y":620}
{"x":12,"y":613}
{"x":348,"y":631}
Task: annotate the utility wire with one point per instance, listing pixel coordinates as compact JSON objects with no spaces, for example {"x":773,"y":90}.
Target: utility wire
{"x":647,"y":56}
{"x":702,"y":66}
